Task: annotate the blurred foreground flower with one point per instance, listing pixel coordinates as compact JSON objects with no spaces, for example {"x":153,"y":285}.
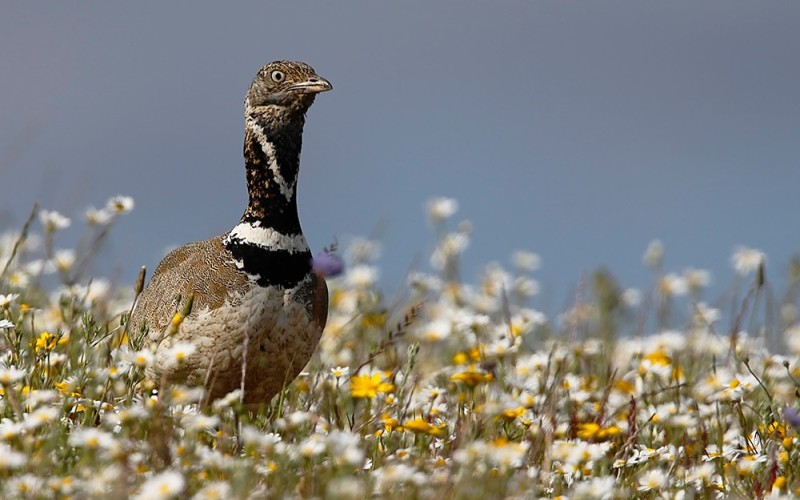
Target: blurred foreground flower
{"x":652,"y":480}
{"x":362,"y":276}
{"x":53,"y":221}
{"x":179,"y":352}
{"x":11,"y":459}
{"x":6,"y":300}
{"x":746,"y":260}
{"x":165,"y":485}
{"x":526,"y":261}
{"x":95,"y":217}
{"x":11,"y":374}
{"x":120,"y":204}
{"x":654,"y":254}
{"x":442,"y":208}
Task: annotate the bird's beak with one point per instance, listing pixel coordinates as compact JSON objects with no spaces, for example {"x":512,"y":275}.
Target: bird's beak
{"x":313,"y":85}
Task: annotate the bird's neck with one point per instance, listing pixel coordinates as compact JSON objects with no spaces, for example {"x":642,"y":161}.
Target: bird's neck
{"x":272,"y":161}
{"x":268,"y":242}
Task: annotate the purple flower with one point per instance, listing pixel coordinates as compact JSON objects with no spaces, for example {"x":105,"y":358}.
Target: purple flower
{"x":327,"y":264}
{"x":792,"y":417}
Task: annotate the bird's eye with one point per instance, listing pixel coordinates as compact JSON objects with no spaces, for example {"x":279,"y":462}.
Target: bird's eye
{"x":278,"y":76}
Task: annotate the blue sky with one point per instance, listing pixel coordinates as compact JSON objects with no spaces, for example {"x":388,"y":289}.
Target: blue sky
{"x":578,"y":130}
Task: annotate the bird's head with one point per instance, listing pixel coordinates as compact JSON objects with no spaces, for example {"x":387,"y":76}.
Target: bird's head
{"x":284,"y":88}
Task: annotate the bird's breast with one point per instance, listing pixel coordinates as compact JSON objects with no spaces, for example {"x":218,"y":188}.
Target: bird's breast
{"x":274,"y":326}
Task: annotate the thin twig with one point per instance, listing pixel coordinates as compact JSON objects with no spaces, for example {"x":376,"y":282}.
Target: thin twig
{"x":23,"y":235}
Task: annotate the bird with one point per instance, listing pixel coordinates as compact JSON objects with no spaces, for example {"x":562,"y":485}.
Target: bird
{"x":258,"y":308}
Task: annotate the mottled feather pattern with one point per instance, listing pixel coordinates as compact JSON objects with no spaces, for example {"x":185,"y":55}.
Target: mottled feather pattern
{"x":283,"y":325}
{"x":203,"y":268}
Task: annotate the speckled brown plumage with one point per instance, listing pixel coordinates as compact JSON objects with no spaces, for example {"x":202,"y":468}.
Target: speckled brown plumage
{"x":252,"y":286}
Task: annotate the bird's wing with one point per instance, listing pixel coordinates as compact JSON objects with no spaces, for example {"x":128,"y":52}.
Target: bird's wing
{"x":198,"y":268}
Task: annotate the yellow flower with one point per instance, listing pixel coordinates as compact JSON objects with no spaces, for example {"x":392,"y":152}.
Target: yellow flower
{"x":369,"y":386}
{"x":658,"y":358}
{"x":472,"y":376}
{"x":177,"y":319}
{"x":512,"y":414}
{"x":624,"y":386}
{"x":337,"y":298}
{"x":421,"y":426}
{"x":775,"y":429}
{"x":67,"y":389}
{"x":499,"y":442}
{"x":45,"y":342}
{"x":389,"y":422}
{"x":588,"y":430}
{"x":475,"y":354}
{"x":374,"y":320}
{"x":593,"y":431}
{"x":460,"y":358}
{"x":120,"y":339}
{"x":302,"y":385}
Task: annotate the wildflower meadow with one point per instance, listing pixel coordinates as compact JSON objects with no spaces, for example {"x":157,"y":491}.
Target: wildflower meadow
{"x":449,"y":389}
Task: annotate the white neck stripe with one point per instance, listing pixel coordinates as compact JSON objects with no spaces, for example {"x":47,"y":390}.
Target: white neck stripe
{"x":287,"y":189}
{"x":268,"y":238}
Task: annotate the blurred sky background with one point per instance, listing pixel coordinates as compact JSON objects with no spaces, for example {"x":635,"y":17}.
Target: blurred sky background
{"x":578,"y":130}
